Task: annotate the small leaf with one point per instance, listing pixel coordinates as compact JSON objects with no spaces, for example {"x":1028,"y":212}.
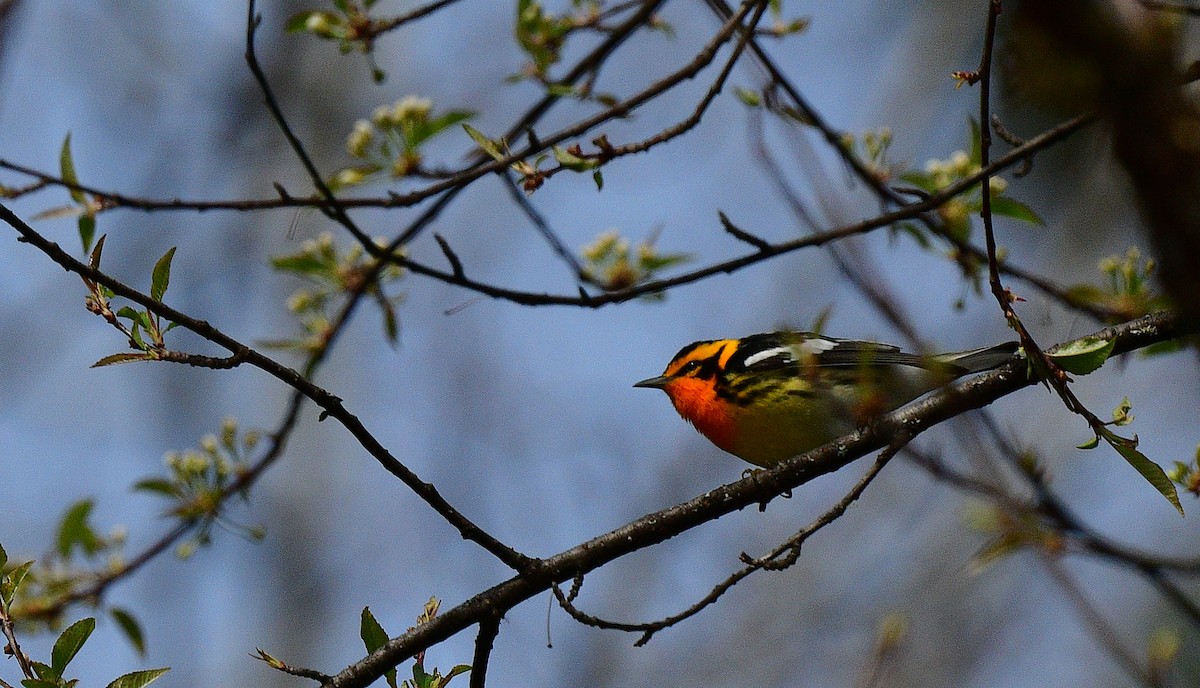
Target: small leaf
{"x":374,"y":637}
{"x":160,"y":486}
{"x":301,"y":263}
{"x":94,"y":260}
{"x":87,"y":230}
{"x":391,"y":326}
{"x":921,"y":180}
{"x":137,"y":679}
{"x":69,"y":643}
{"x":1008,"y":207}
{"x":113,"y":359}
{"x":999,"y":548}
{"x":161,"y":277}
{"x":1089,"y":444}
{"x":46,"y":673}
{"x":598,"y":177}
{"x":271,"y":661}
{"x":1152,"y":472}
{"x":75,"y":530}
{"x":458,"y":669}
{"x":573,"y":162}
{"x":447,"y":120}
{"x":35,"y":683}
{"x":3,"y":557}
{"x":60,"y":211}
{"x":489,"y":146}
{"x":12,"y":582}
{"x":1082,"y":356}
{"x":131,"y":628}
{"x":136,"y":317}
{"x":750,"y":98}
{"x":67,"y":169}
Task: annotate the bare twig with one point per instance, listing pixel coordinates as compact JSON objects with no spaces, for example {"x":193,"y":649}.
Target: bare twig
{"x":331,"y":405}
{"x":778,"y":559}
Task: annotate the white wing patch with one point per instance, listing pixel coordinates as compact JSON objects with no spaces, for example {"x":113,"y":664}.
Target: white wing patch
{"x":767,"y":354}
{"x":816,"y":345}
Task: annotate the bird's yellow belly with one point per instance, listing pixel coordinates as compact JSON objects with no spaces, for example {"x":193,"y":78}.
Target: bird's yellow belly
{"x":773,"y":431}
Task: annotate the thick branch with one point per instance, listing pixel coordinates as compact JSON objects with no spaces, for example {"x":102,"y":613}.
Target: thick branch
{"x":754,"y":489}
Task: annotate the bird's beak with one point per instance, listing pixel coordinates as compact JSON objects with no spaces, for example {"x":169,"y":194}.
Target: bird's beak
{"x":655,"y":382}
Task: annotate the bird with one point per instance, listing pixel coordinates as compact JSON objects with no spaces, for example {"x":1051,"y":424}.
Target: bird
{"x":770,"y":396}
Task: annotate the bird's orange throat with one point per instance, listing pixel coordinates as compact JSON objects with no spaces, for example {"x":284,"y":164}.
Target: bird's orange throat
{"x":696,"y":401}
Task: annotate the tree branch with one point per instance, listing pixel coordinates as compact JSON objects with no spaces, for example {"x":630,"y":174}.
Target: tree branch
{"x":759,"y":487}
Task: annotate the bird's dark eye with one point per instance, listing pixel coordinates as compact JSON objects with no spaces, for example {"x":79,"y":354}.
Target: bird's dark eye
{"x":689,"y":367}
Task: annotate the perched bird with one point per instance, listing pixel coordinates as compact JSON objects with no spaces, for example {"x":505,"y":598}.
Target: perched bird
{"x":768,"y":397}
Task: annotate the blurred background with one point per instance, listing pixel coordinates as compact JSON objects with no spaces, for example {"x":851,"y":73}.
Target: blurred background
{"x":524,"y":418}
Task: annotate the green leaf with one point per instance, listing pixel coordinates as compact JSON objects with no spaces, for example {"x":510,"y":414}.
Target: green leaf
{"x":438,"y":125}
{"x":598,"y":177}
{"x":46,"y":673}
{"x":12,"y":582}
{"x":113,"y":359}
{"x":135,"y":337}
{"x":1008,"y":207}
{"x":374,"y":637}
{"x":69,"y":643}
{"x":921,"y":180}
{"x":1082,"y":356}
{"x":562,"y":91}
{"x":372,"y":634}
{"x":391,"y":326}
{"x":131,"y":628}
{"x":35,"y":683}
{"x":75,"y":530}
{"x":161,"y":277}
{"x":160,"y":486}
{"x":87,"y":230}
{"x":749,"y":98}
{"x":3,"y":557}
{"x":459,"y":669}
{"x":94,"y":260}
{"x":67,"y":170}
{"x":1089,"y":444}
{"x":136,"y":317}
{"x":489,"y":146}
{"x":301,"y":263}
{"x":137,"y":679}
{"x":1152,"y":472}
{"x":573,"y":162}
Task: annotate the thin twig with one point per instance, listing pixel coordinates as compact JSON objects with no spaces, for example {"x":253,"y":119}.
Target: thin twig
{"x":779,"y":558}
{"x":331,"y":405}
{"x":10,"y":634}
{"x":1100,"y":629}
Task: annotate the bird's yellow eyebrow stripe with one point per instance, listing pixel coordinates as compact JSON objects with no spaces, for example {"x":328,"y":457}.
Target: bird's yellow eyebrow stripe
{"x":703,"y":351}
{"x":731,"y":345}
